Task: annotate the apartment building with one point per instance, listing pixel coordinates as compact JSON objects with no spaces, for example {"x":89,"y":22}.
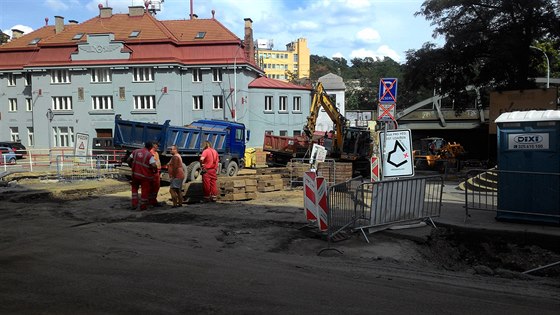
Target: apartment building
{"x":65,"y":79}
{"x":292,"y":63}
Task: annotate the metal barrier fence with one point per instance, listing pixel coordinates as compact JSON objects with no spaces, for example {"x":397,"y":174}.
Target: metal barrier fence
{"x":298,"y":166}
{"x":514,"y":193}
{"x":362,"y":205}
{"x":80,"y":167}
{"x":45,"y":159}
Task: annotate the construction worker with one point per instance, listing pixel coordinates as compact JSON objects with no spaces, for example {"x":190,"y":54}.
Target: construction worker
{"x":143,"y":166}
{"x":176,"y":176}
{"x":156,"y":183}
{"x":209,"y":160}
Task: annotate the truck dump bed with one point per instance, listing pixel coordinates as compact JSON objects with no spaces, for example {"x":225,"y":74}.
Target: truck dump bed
{"x":133,"y":134}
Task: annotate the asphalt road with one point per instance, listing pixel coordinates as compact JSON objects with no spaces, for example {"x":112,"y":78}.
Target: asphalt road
{"x":52,"y":262}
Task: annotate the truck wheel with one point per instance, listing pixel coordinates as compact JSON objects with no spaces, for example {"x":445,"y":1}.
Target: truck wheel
{"x":193,"y":171}
{"x":232,"y":168}
{"x":185,"y":171}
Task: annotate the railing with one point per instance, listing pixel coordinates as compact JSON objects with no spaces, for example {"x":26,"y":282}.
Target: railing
{"x":80,"y":167}
{"x":514,"y":195}
{"x":362,"y":205}
{"x":46,"y":159}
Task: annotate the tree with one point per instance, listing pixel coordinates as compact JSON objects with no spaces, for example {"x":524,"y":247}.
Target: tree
{"x":3,"y":38}
{"x":487,"y":44}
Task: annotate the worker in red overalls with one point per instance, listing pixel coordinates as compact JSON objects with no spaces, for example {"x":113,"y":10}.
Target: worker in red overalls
{"x":209,"y":160}
{"x":156,"y":183}
{"x":143,"y":166}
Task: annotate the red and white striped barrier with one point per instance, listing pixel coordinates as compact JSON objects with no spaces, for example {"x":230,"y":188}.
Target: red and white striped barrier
{"x":322,"y":205}
{"x":309,"y":196}
{"x":374,"y":169}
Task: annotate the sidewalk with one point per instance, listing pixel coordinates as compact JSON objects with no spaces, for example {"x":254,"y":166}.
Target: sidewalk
{"x":453,"y":214}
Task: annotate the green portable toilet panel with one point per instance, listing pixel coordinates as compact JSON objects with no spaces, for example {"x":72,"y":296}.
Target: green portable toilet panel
{"x":529,"y":141}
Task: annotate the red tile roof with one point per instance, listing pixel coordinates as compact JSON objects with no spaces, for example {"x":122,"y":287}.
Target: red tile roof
{"x":171,"y":41}
{"x":268,"y":83}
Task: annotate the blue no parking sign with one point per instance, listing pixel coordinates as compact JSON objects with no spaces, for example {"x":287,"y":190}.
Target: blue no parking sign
{"x":388,"y":90}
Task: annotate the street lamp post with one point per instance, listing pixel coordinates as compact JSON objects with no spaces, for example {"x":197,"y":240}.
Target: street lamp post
{"x":547,"y":66}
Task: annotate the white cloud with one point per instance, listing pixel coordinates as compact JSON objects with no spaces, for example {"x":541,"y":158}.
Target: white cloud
{"x":381,"y":52}
{"x":56,"y":5}
{"x":357,"y":4}
{"x":384,"y":50}
{"x":305,"y":25}
{"x":368,"y":35}
{"x":23,"y":28}
{"x":362,"y":53}
{"x":337,"y":55}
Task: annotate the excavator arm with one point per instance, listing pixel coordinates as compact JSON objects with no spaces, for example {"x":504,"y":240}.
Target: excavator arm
{"x":321,"y":99}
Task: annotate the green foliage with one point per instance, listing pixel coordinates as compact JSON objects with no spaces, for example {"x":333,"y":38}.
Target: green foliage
{"x":487,"y":45}
{"x":362,"y":80}
{"x":3,"y":38}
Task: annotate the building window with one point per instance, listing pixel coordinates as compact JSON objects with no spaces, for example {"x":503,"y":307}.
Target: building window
{"x":144,"y":102}
{"x":63,"y":136}
{"x":218,"y":102}
{"x":12,"y":104}
{"x":296,"y":107}
{"x":269,"y":132}
{"x":283,"y":133}
{"x":14,"y":133}
{"x":28,"y":104}
{"x":11,"y":79}
{"x":196,"y":75}
{"x":122,"y":93}
{"x":283,"y":104}
{"x":297,"y":133}
{"x":296,"y":58}
{"x":143,"y":74}
{"x":197,"y":102}
{"x":332,"y":97}
{"x":102,"y":102}
{"x":99,"y":75}
{"x":30,"y":137}
{"x":60,"y":76}
{"x":62,"y":103}
{"x":268,"y":103}
{"x":27,"y":78}
{"x":217,"y":75}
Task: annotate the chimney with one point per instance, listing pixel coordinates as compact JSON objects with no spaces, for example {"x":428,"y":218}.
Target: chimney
{"x":248,"y":41}
{"x":136,"y":11}
{"x":73,"y":22}
{"x":58,"y":24}
{"x":105,"y":12}
{"x":16,"y":33}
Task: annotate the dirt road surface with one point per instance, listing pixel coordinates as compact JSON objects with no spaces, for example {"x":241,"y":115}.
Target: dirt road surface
{"x":68,"y":248}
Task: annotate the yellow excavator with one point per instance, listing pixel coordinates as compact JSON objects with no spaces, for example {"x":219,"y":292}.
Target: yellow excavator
{"x":344,"y":142}
{"x":437,"y":154}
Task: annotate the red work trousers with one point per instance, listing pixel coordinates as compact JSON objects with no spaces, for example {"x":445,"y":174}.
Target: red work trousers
{"x":144,"y":185}
{"x":154,"y":190}
{"x":209,"y":185}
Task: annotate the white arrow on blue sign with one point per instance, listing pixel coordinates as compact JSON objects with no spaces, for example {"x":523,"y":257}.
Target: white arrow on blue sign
{"x":388,"y":90}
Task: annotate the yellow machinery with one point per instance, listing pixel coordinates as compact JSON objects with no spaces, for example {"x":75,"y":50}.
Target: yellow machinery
{"x":347,"y":143}
{"x":436,"y":153}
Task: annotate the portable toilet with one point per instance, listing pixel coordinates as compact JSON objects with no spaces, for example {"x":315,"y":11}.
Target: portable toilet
{"x":529,"y":166}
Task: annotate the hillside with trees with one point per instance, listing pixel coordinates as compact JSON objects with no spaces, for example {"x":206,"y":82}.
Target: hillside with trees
{"x":489,"y":44}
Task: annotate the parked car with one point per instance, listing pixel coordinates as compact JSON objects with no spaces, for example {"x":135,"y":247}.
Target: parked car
{"x":8,"y":156}
{"x":19,"y":149}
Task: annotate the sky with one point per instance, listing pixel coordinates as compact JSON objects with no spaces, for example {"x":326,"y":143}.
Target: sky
{"x":333,"y":28}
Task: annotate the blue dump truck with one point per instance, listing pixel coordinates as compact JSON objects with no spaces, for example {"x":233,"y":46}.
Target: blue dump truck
{"x":228,"y":138}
